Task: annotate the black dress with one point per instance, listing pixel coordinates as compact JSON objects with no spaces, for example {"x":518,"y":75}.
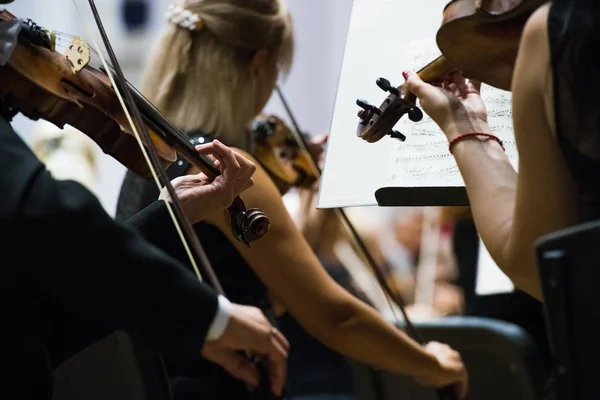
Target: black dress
{"x":313,"y":368}
{"x":576,"y":109}
{"x":201,"y":379}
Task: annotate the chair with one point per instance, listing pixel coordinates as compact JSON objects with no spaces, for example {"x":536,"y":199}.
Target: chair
{"x":569,"y":274}
{"x":502,"y":359}
{"x":117,"y":367}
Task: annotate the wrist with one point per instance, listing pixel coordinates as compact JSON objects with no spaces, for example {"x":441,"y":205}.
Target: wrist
{"x":457,"y":129}
{"x":433,"y":372}
{"x":478,"y":138}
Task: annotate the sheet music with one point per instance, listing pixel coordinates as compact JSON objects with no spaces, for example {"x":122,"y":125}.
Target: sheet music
{"x":423,"y":159}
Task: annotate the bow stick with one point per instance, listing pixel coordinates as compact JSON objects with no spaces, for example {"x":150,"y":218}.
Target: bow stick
{"x":446,"y":393}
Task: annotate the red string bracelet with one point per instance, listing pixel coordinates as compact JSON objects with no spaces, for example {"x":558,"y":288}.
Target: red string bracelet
{"x":475,"y":134}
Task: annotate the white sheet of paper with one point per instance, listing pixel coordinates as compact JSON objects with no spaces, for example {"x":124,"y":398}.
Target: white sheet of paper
{"x":379,"y":34}
{"x":490,"y":278}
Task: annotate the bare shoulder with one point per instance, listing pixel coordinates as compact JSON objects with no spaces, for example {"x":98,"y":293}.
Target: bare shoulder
{"x":533,"y":71}
{"x":536,"y":27}
{"x":534,"y":41}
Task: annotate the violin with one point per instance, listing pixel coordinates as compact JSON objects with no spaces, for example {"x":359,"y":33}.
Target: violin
{"x":287,"y":163}
{"x":479,"y":38}
{"x":42,"y":83}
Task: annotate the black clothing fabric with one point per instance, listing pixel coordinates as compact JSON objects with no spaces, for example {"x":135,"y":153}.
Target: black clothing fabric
{"x":199,"y":379}
{"x":313,"y":368}
{"x":67,"y":264}
{"x":576,"y":118}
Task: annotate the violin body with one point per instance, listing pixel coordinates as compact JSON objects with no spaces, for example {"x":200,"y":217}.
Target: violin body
{"x":275,"y":148}
{"x":478,"y":38}
{"x":481,"y":38}
{"x":44,"y":84}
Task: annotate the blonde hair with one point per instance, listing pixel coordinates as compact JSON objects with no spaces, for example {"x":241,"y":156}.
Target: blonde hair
{"x":201,"y":79}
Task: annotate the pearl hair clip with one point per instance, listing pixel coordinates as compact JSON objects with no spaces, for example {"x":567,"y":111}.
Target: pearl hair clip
{"x":184,"y":18}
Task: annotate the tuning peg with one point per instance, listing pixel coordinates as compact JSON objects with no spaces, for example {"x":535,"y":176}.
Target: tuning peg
{"x":397,"y":135}
{"x":368,"y":107}
{"x":386,"y":86}
{"x":415,"y":114}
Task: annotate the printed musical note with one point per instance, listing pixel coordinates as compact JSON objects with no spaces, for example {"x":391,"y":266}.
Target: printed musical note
{"x":423,"y":159}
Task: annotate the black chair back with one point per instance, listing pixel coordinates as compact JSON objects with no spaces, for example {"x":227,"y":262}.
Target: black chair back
{"x":569,"y":262}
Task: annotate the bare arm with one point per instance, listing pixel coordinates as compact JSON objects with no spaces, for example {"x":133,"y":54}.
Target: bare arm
{"x":511,"y":211}
{"x":287,"y":265}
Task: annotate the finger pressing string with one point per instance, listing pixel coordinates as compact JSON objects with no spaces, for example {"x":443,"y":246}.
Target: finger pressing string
{"x":229,"y":166}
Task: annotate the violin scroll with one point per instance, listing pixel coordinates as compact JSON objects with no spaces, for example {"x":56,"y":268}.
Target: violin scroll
{"x":247,"y":225}
{"x":377,"y":122}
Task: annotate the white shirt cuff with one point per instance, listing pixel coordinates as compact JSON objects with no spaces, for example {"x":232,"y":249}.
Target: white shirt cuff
{"x":220,"y":320}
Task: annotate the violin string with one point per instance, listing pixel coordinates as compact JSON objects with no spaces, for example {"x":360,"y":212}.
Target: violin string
{"x":353,"y":233}
{"x":142,"y":147}
{"x":63,"y":40}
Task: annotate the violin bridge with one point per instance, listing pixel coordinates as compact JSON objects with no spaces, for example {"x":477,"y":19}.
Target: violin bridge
{"x":78,"y":54}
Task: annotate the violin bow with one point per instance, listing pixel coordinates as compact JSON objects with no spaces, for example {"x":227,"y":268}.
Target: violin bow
{"x":446,"y":393}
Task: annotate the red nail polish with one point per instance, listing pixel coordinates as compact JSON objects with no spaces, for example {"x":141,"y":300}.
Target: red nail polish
{"x":405,"y":74}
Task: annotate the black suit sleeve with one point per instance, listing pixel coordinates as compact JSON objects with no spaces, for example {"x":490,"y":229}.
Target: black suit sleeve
{"x":156,"y":225}
{"x":73,"y":252}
